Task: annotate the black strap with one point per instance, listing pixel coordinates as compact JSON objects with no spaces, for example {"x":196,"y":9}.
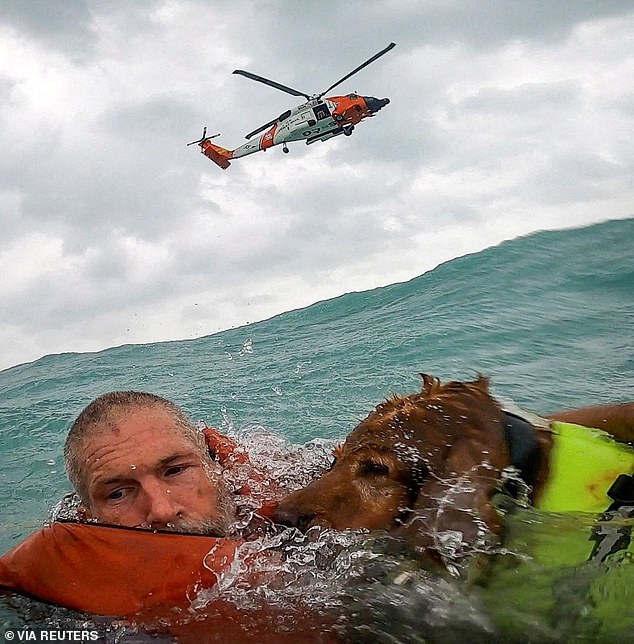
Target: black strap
{"x":521,"y":440}
{"x":622,"y":491}
{"x":607,"y":538}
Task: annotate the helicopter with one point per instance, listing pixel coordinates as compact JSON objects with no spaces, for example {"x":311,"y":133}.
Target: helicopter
{"x":318,"y":119}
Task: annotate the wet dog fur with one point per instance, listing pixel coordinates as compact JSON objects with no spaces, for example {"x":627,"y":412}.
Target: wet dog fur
{"x":426,"y":466}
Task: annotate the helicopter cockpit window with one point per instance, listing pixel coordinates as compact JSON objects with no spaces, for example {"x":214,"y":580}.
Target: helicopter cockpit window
{"x":284,"y":116}
{"x":353,"y":96}
{"x":321,"y":111}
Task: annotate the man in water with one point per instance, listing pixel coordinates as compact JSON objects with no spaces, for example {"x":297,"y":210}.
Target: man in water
{"x":136,"y":460}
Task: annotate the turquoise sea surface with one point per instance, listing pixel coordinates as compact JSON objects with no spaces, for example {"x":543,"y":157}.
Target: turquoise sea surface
{"x":549,"y":317}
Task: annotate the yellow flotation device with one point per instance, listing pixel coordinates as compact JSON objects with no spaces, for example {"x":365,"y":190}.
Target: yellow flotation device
{"x":584,"y":463}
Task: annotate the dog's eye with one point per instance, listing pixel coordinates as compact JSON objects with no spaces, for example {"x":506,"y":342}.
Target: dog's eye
{"x":374,"y":468}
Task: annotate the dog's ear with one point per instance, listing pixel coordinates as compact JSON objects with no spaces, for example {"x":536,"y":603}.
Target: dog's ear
{"x":430,"y":384}
{"x":455,"y":503}
{"x":482,"y":383}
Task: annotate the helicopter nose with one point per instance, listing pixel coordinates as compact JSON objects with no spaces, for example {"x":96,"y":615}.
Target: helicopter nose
{"x":375,"y":104}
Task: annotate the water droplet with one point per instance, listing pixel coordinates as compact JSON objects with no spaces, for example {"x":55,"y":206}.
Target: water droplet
{"x":247,"y":347}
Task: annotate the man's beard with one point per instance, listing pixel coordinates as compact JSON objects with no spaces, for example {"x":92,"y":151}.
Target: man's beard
{"x":216,"y":526}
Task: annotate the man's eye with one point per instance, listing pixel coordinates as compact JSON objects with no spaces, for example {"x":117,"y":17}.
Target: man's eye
{"x":116,"y":495}
{"x":175,"y":470}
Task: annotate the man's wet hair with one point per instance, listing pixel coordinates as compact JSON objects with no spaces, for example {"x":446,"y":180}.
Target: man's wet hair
{"x":104,"y":413}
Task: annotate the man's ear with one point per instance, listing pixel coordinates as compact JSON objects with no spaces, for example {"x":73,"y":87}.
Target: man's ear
{"x":83,"y":513}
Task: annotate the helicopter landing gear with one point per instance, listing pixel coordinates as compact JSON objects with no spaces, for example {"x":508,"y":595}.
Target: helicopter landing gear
{"x":348,"y":129}
{"x":285,"y":148}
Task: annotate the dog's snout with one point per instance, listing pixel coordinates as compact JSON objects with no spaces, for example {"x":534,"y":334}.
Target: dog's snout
{"x":292,"y":516}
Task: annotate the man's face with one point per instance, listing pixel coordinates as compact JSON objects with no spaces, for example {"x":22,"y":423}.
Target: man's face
{"x":146,"y":473}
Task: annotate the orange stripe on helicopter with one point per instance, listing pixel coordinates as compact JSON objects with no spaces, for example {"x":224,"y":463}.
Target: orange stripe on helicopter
{"x":266,"y":141}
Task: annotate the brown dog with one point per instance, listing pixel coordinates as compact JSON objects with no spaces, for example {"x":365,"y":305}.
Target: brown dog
{"x":427,"y":465}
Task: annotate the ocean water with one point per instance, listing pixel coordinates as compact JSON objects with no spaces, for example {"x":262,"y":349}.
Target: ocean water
{"x":549,"y":317}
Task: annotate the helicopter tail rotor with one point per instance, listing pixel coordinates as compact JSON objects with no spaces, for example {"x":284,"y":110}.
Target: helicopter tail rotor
{"x":203,"y":138}
{"x":220,"y":156}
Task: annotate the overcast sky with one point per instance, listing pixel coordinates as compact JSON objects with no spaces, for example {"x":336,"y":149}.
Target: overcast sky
{"x":506,"y":117}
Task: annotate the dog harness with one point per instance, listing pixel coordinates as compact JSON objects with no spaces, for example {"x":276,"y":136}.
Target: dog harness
{"x":587,"y":474}
{"x":585,"y":463}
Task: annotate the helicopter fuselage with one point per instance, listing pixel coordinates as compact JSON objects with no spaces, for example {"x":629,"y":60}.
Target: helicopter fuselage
{"x":318,"y":119}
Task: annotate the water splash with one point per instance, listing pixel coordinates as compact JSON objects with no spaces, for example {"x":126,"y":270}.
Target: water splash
{"x":247,"y":347}
{"x":368,"y":586}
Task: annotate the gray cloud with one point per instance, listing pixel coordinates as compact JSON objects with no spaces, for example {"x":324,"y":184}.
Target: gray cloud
{"x":66,"y":26}
{"x":505,"y":117}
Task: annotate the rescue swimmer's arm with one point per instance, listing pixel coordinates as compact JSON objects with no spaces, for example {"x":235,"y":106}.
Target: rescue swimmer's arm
{"x":616,"y":419}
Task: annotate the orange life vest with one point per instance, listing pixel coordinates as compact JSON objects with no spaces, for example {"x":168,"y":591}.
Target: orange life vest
{"x":111,"y":570}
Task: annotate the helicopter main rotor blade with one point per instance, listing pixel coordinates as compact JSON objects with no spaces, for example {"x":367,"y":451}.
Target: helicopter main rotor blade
{"x":360,"y":67}
{"x":261,"y":128}
{"x":266,"y":81}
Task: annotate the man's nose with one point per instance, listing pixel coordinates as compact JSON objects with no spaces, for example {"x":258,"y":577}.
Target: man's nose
{"x":162,"y":509}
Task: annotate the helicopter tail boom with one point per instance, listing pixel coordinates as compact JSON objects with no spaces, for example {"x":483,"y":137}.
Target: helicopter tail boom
{"x":220,"y":156}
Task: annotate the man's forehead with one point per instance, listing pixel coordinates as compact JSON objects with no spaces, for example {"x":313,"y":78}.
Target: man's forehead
{"x":147,"y":445}
{"x":147,"y":428}
{"x":141,"y":411}
{"x":139,"y":418}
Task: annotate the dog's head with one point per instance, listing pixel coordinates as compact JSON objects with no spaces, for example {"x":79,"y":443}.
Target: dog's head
{"x":418,"y":464}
